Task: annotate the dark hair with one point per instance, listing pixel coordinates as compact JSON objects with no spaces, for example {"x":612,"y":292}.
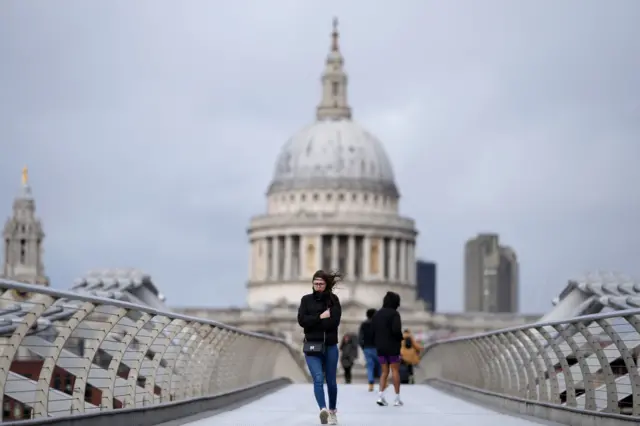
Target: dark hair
{"x":391,"y":300}
{"x":330,"y":278}
{"x":370,"y":313}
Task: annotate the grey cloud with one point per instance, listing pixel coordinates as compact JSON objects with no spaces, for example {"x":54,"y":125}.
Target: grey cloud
{"x":151,"y":130}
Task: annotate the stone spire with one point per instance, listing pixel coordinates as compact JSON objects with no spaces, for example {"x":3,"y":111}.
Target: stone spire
{"x":23,"y":238}
{"x":333,"y":105}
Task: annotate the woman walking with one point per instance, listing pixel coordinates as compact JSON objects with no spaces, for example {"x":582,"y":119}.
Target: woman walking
{"x":319,"y":315}
{"x":348,"y":355}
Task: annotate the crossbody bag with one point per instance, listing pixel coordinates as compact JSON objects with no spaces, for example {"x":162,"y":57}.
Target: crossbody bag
{"x":314,"y":348}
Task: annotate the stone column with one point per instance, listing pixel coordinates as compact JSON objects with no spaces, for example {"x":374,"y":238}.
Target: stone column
{"x":403,"y":261}
{"x":366,"y":261}
{"x":253,"y":257}
{"x":318,"y":252}
{"x":351,"y":257}
{"x":287,"y":257}
{"x":302,"y":257}
{"x":274,"y":258}
{"x":334,"y":252}
{"x":393,"y":249}
{"x":382,"y":255}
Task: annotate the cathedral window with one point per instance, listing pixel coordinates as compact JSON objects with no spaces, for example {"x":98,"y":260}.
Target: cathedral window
{"x":23,"y":251}
{"x":374,"y":257}
{"x":311,"y":255}
{"x":335,"y":88}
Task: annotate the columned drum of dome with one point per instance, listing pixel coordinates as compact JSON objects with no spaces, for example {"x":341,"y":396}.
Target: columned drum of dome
{"x":332,"y":204}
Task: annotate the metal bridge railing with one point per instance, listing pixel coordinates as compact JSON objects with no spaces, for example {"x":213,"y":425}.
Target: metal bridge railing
{"x":64,"y":353}
{"x":587,"y":363}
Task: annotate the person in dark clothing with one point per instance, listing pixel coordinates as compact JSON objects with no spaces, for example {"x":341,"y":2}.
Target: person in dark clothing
{"x":319,"y":315}
{"x":348,"y":355}
{"x":368,"y":345}
{"x":387,"y":335}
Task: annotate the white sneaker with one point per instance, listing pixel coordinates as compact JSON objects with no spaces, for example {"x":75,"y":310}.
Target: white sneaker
{"x":324,"y":416}
{"x":333,"y":418}
{"x":398,"y":402}
{"x":381,"y":401}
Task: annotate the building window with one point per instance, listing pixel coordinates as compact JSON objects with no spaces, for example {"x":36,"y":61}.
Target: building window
{"x":23,"y":251}
{"x":335,"y":88}
{"x":374,"y":257}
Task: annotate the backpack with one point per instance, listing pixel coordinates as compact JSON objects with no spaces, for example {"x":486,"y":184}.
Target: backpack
{"x":407,"y":343}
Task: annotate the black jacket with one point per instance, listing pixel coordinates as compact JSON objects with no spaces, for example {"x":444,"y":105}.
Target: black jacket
{"x":387,"y":326}
{"x":316,"y":329}
{"x":365,"y":336}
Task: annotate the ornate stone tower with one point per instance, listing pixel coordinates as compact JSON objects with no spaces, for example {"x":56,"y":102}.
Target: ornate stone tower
{"x":23,"y":238}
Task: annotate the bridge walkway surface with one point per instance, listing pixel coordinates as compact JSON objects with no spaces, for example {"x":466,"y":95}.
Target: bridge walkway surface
{"x":295,"y":405}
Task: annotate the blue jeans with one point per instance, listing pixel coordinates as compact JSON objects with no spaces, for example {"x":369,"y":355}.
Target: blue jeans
{"x":373,"y":365}
{"x":321,"y":367}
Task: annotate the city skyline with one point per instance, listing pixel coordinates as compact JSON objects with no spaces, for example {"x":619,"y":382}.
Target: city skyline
{"x":130,"y":134}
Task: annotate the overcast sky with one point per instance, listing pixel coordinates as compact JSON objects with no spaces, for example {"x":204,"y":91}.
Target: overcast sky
{"x":151,"y":129}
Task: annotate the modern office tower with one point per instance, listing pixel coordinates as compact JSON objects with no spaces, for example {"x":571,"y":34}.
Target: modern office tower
{"x":491,"y":276}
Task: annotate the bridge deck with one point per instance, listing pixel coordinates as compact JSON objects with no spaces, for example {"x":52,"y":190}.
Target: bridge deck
{"x":295,"y":405}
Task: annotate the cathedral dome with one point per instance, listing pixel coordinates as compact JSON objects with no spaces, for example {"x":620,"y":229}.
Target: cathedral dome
{"x":334,"y":152}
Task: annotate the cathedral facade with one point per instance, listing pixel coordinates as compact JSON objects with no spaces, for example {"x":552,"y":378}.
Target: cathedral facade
{"x":332,"y":204}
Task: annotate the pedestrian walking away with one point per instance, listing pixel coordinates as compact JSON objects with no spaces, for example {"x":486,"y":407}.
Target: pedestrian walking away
{"x":368,"y":345}
{"x":319,"y":315}
{"x":387,"y":333}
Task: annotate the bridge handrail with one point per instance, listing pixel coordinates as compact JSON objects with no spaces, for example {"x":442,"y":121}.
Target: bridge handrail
{"x":588,"y":363}
{"x":64,"y":353}
{"x":86,"y":297}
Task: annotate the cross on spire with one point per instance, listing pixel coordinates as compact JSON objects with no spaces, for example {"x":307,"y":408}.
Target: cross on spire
{"x":335,"y":36}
